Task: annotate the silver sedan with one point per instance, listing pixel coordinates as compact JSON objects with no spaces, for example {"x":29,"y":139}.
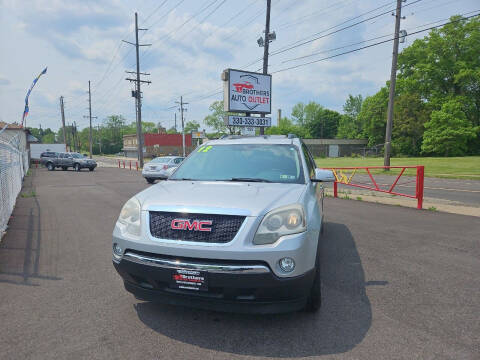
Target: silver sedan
{"x":160,"y":168}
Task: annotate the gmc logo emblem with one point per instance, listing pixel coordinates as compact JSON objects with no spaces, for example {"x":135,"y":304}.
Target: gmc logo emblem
{"x":195,"y":225}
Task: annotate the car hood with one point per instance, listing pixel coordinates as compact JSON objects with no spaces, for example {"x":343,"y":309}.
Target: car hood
{"x":251,"y":199}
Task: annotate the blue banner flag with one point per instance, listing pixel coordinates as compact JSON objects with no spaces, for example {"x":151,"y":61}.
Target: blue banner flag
{"x":25,"y":112}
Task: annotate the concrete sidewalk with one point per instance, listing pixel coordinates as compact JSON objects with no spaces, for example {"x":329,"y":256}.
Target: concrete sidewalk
{"x":447,"y":195}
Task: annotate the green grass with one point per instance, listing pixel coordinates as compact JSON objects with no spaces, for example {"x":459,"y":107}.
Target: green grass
{"x":467,"y":167}
{"x":28,"y":194}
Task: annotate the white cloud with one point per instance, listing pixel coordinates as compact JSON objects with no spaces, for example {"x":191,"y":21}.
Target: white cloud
{"x":78,"y":39}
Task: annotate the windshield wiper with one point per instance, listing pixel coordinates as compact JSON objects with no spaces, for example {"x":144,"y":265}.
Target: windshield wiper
{"x":247,"y":179}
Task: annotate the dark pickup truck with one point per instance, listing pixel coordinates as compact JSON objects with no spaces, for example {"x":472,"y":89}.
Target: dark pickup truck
{"x":69,"y":159}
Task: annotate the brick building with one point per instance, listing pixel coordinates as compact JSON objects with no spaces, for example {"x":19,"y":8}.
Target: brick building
{"x":157,"y":144}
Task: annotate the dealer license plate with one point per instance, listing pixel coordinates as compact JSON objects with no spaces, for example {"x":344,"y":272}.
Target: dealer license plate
{"x":186,"y":279}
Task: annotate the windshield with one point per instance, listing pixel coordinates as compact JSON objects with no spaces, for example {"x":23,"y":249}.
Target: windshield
{"x":263,"y":162}
{"x":161,"y":160}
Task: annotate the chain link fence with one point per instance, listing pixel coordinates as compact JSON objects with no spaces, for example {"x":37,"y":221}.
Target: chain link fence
{"x":13,"y":167}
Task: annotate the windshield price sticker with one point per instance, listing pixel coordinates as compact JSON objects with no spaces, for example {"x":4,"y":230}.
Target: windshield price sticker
{"x":248,"y":121}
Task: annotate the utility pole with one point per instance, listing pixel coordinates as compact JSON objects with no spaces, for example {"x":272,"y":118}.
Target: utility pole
{"x":99,"y":134}
{"x":63,"y":120}
{"x":73,"y":137}
{"x":265,"y":48}
{"x":183,"y":125}
{"x":175,"y":121}
{"x":279,"y":117}
{"x":137,"y":93}
{"x":269,"y":37}
{"x":75,"y":140}
{"x":393,"y":80}
{"x":90,"y":117}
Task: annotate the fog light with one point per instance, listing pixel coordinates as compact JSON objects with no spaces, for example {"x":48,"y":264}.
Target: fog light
{"x":117,"y":251}
{"x":287,"y":264}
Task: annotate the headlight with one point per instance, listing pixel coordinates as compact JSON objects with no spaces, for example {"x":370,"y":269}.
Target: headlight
{"x":283,"y":221}
{"x":130,"y":216}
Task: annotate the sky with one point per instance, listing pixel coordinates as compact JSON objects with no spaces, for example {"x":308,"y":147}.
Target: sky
{"x":193,"y":41}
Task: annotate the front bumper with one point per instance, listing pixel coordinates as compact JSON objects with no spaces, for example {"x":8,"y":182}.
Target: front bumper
{"x":235,"y":286}
{"x":86,"y":165}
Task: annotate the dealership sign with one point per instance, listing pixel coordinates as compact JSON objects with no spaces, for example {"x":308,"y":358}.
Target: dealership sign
{"x":247,"y":92}
{"x":234,"y":120}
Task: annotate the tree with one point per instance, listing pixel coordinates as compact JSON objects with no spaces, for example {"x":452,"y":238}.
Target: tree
{"x":285,"y":127}
{"x":298,"y":114}
{"x":353,"y":105}
{"x":172,"y":130}
{"x":317,"y":121}
{"x":111,"y":134}
{"x":410,"y":115}
{"x":191,"y":126}
{"x":448,"y":131}
{"x":147,"y":127}
{"x":349,"y":127}
{"x":373,"y":117}
{"x":216,"y":119}
{"x":48,"y":138}
{"x":445,"y":65}
{"x":324,"y":124}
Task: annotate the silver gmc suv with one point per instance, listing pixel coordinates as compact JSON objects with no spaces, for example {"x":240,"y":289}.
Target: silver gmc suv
{"x":235,"y":228}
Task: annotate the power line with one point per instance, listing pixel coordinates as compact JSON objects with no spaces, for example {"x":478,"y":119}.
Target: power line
{"x":166,"y":36}
{"x":167,"y":13}
{"x":294,"y":44}
{"x":154,"y":11}
{"x":245,"y":25}
{"x":371,"y":45}
{"x":205,"y":18}
{"x":334,"y":49}
{"x":335,"y":31}
{"x":288,"y":24}
{"x":130,"y":50}
{"x":238,"y":13}
{"x":366,"y":41}
{"x":188,"y":20}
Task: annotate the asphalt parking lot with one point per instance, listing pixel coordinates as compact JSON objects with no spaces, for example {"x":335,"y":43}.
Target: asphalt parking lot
{"x":397,"y":283}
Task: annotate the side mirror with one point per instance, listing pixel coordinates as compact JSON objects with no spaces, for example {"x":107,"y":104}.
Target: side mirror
{"x":323,"y":175}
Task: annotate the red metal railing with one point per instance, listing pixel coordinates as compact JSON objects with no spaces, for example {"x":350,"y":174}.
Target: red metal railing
{"x":341,"y":177}
{"x":129,"y":164}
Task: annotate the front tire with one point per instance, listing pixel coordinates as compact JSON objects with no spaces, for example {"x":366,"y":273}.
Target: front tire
{"x":50,"y":167}
{"x":77,"y":167}
{"x":150,"y":180}
{"x":91,"y":169}
{"x":314,"y":300}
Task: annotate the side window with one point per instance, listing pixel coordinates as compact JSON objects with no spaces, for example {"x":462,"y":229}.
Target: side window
{"x":178,"y":160}
{"x":62,"y":156}
{"x":309,"y":161}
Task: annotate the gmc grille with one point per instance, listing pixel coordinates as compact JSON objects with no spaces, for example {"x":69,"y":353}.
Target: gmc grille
{"x":224,"y":227}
